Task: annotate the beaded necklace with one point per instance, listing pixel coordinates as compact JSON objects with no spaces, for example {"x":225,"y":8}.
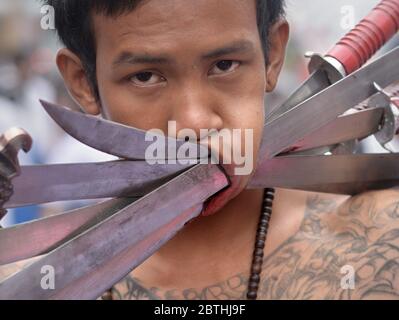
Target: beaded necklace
{"x":260,"y":240}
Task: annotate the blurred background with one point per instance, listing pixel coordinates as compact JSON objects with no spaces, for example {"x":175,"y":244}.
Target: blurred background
{"x":28,"y":72}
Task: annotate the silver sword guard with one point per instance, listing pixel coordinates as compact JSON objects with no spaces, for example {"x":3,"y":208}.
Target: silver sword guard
{"x":388,"y":136}
{"x":11,"y":142}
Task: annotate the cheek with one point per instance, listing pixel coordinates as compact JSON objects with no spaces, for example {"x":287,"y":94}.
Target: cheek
{"x":120,"y":104}
{"x":245,"y":108}
{"x":250,"y":119}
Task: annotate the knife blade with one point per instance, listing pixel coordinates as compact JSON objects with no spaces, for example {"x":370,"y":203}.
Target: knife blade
{"x":349,"y":54}
{"x":354,"y":126}
{"x":118,"y":139}
{"x":316,"y":82}
{"x":278,"y":135}
{"x":46,"y":234}
{"x":51,"y":183}
{"x":327,"y":105}
{"x":341,"y":174}
{"x":98,"y":258}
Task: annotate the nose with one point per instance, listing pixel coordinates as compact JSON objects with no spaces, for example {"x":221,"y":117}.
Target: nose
{"x":195,"y":108}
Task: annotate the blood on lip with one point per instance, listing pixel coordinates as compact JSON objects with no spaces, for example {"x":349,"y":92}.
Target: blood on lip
{"x":219,"y":200}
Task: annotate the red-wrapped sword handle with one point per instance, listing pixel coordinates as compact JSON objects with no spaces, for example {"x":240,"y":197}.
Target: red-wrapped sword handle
{"x":360,"y":44}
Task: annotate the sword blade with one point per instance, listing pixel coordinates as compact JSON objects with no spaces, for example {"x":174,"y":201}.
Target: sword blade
{"x":350,"y":188}
{"x":348,"y":174}
{"x":341,"y":174}
{"x":94,"y":261}
{"x":115,"y":138}
{"x":38,"y":237}
{"x":314,"y":84}
{"x":51,"y":183}
{"x":327,"y":105}
{"x":355,"y":126}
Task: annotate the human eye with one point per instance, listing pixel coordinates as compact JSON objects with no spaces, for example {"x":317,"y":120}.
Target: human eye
{"x":224,"y":66}
{"x":146,"y":79}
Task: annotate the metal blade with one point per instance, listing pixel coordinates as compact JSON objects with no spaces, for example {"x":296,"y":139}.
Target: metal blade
{"x":327,"y":105}
{"x":116,"y":139}
{"x":100,"y":257}
{"x":314,"y":84}
{"x":357,"y":125}
{"x":50,"y":183}
{"x":310,"y":173}
{"x":38,"y":237}
{"x":341,"y":174}
{"x":351,"y":188}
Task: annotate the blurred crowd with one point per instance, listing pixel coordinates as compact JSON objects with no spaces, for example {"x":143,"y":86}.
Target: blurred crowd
{"x":28,"y":73}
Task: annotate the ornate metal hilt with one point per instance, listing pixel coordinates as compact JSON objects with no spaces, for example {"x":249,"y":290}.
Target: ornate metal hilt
{"x":11,"y":142}
{"x":388,"y":136}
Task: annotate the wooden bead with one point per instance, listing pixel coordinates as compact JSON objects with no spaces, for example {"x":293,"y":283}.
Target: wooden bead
{"x":267,"y":210}
{"x":253,"y":286}
{"x":265,"y":214}
{"x":258,"y":260}
{"x":260,"y":244}
{"x":252,"y":295}
{"x":256,"y":268}
{"x":254,"y":278}
{"x":258,"y":252}
{"x":261,"y":234}
{"x":265,"y":221}
{"x":261,"y":237}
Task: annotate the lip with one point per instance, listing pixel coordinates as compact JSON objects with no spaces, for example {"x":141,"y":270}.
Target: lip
{"x":237,"y":182}
{"x":218,"y":201}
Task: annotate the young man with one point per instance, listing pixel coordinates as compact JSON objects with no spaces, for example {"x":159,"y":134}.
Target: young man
{"x":207,"y":64}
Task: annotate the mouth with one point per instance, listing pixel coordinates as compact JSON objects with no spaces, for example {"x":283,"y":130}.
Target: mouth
{"x":236,"y":185}
{"x":230,"y":165}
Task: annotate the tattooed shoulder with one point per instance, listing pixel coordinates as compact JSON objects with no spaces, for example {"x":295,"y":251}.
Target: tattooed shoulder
{"x":346,"y":251}
{"x":349,"y":251}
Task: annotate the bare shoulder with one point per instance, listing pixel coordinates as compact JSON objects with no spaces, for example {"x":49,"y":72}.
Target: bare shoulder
{"x":345,"y":250}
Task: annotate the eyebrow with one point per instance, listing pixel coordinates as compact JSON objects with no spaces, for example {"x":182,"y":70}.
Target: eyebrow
{"x":132,"y":58}
{"x":235,"y":47}
{"x":127,"y":57}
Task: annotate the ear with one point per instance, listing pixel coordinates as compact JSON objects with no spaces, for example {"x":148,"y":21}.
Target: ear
{"x":75,"y":78}
{"x":278,"y":38}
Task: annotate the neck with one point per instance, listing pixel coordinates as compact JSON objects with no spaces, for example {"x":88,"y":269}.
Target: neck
{"x":225,"y":229}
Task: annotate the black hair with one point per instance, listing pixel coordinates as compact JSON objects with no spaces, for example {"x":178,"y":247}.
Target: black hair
{"x":74,"y":25}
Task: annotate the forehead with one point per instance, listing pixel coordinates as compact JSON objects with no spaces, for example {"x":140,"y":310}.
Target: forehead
{"x":172,"y":24}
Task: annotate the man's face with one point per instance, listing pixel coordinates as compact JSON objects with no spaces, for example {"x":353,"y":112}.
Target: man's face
{"x":199,"y":63}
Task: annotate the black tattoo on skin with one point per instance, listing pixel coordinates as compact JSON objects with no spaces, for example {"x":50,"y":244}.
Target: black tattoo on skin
{"x":308,"y":265}
{"x":233,"y":288}
{"x":130,"y":289}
